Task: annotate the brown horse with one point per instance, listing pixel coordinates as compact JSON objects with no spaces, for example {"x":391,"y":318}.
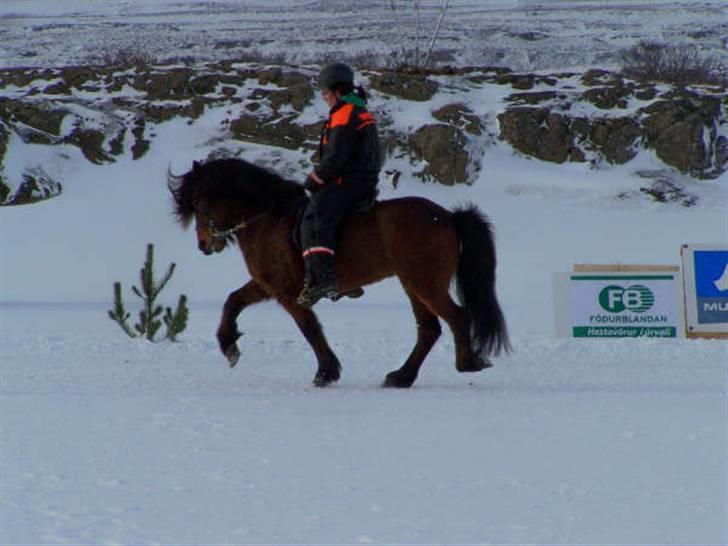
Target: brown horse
{"x":420,"y":242}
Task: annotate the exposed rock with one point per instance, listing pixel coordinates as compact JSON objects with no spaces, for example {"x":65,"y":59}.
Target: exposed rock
{"x":171,"y":84}
{"x":531,"y":98}
{"x":91,"y":144}
{"x":116,"y":144}
{"x":298,"y":96}
{"x":518,"y":81}
{"x":141,"y":145}
{"x":159,"y":112}
{"x":615,"y":138}
{"x":537,"y":132}
{"x":549,"y":136}
{"x":664,"y":189}
{"x":59,"y":88}
{"x":443,"y":147}
{"x":36,"y":186}
{"x":686,"y":129}
{"x":203,"y":85}
{"x":459,"y":115}
{"x":598,"y":77}
{"x":685,"y":133}
{"x":21,"y":77}
{"x":606,"y":98}
{"x":274,"y":131}
{"x":4,"y":137}
{"x":280,"y":77}
{"x":406,"y":85}
{"x":39,"y":116}
{"x":76,"y":76}
{"x":646,"y":92}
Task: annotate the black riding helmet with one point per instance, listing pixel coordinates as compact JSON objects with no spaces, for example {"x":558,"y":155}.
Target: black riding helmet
{"x":336,"y":73}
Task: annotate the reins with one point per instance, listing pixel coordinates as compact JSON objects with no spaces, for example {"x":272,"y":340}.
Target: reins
{"x":225,"y":233}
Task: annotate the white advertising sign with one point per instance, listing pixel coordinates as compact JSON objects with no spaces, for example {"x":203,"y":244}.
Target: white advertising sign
{"x":635,"y":304}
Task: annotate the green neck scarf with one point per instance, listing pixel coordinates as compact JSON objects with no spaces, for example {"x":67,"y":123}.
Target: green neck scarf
{"x":353,"y":98}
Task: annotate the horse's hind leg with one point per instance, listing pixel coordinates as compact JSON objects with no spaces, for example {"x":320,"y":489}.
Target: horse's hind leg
{"x":466,"y":360}
{"x":227,"y":332}
{"x":428,"y":330}
{"x":329,"y":368}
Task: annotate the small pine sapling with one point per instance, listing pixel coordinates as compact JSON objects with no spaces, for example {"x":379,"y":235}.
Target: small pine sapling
{"x":149,"y":317}
{"x":119,"y":313}
{"x":176,"y":321}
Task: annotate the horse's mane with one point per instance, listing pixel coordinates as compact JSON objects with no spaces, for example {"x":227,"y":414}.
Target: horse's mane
{"x":233,"y":181}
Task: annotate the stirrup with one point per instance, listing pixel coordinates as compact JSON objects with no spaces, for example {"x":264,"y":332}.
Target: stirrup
{"x":310,"y":295}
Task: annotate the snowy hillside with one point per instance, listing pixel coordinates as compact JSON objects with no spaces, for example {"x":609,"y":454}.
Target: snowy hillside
{"x":107,"y":440}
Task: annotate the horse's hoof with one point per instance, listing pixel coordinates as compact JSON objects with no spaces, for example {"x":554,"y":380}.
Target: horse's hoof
{"x":233,"y":355}
{"x":477,"y":364}
{"x":322,"y":380}
{"x":395,"y":380}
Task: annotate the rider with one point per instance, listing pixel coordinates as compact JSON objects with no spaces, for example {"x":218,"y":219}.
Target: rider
{"x":347,"y":174}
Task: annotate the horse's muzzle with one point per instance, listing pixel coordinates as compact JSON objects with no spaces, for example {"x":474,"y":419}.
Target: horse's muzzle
{"x":204,"y":248}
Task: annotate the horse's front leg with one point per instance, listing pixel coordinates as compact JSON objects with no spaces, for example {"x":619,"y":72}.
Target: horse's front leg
{"x":329,"y":368}
{"x":227,"y":332}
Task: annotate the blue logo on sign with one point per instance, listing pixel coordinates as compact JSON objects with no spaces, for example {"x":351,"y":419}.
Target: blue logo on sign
{"x":711,"y":285}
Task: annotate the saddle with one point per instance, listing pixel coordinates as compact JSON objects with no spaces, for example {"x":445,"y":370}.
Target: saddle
{"x":364,"y":205}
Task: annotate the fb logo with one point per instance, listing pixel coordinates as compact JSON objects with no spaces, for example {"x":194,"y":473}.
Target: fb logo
{"x":636,"y":298}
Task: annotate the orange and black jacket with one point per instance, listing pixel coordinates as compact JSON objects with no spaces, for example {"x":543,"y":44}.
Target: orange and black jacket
{"x":349,"y":147}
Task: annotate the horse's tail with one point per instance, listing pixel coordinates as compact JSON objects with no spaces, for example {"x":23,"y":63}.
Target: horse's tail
{"x":476,"y":281}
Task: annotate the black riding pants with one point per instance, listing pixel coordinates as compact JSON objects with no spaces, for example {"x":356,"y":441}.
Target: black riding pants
{"x":325,"y":212}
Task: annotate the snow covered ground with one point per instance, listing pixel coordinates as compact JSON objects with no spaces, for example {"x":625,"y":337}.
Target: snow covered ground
{"x":106,"y":440}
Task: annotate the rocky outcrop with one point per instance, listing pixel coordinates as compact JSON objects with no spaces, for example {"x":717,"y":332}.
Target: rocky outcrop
{"x":452,"y":149}
{"x":685,"y":128}
{"x":108,"y":112}
{"x":405,"y":85}
{"x":688,"y":132}
{"x":121,"y":105}
{"x":442,"y":147}
{"x":537,"y":132}
{"x":36,"y":186}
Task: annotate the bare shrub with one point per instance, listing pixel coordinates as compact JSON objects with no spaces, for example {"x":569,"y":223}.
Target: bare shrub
{"x":125,"y":56}
{"x":417,"y":56}
{"x":680,"y":64}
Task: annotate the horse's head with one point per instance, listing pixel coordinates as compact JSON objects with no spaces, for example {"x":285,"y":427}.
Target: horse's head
{"x":194,"y":197}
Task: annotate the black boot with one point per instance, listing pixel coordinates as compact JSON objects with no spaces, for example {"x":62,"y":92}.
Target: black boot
{"x":320,"y":280}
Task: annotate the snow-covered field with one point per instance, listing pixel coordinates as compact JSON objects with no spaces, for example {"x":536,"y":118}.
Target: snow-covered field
{"x":106,"y":440}
{"x":520,"y":34}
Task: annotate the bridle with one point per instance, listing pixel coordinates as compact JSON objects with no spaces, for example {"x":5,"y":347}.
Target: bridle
{"x":218,"y":233}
